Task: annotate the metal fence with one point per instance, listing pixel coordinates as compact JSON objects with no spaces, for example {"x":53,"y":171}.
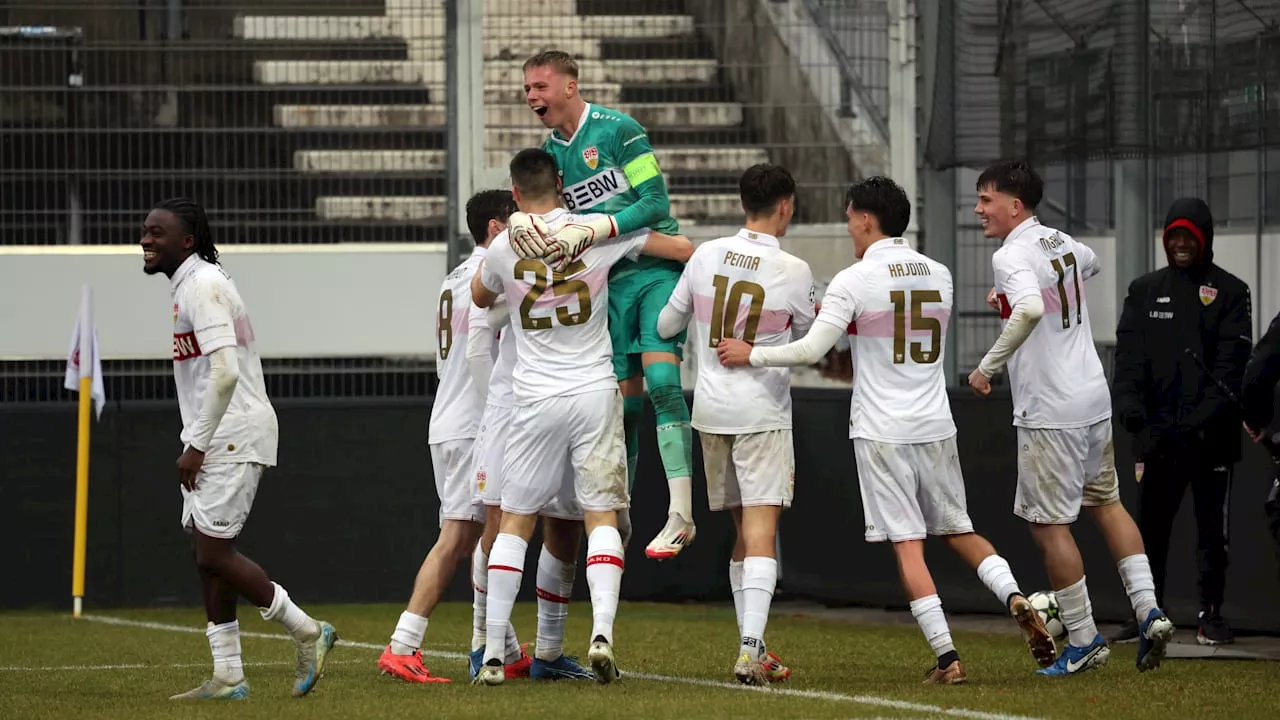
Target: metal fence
{"x":327,"y":121}
{"x":1190,"y":87}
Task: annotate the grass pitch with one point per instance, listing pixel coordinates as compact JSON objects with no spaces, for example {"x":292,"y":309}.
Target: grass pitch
{"x":677,"y":662}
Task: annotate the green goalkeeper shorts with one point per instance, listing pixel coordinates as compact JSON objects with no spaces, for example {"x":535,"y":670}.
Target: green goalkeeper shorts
{"x":635,"y":301}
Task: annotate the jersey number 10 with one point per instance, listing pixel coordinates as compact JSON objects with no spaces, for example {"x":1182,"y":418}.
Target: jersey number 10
{"x":919,"y":323}
{"x":724,"y":310}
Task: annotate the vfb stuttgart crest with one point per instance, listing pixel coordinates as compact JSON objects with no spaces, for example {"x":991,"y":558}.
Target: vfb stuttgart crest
{"x":1208,"y":295}
{"x":591,"y":156}
{"x":1138,"y":469}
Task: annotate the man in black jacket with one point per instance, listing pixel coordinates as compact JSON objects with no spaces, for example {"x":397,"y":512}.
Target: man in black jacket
{"x":1186,"y":429}
{"x":1258,"y":395}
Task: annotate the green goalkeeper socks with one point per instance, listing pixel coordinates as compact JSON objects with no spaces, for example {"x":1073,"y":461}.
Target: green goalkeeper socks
{"x":632,"y":409}
{"x":675,"y":436}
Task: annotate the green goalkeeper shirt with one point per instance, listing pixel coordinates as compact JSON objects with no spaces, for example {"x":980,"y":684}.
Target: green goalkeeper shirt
{"x":609,"y":167}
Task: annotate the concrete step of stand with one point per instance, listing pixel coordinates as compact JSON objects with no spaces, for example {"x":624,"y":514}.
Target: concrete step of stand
{"x":401,"y":208}
{"x":496,"y":72}
{"x":546,"y":29}
{"x":496,"y":116}
{"x":726,"y":160}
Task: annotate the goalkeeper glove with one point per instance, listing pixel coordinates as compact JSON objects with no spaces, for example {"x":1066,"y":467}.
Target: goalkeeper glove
{"x":529,"y":235}
{"x":574,"y":238}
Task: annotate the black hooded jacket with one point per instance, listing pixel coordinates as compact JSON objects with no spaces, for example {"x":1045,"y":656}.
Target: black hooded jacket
{"x":1160,"y":393}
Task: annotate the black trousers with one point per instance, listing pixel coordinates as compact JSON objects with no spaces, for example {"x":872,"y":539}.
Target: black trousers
{"x":1272,"y":508}
{"x":1163,"y":485}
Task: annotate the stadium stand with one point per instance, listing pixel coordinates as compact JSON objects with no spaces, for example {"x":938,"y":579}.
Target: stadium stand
{"x":328,"y":124}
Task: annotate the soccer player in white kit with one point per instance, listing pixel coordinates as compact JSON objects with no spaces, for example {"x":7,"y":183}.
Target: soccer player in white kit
{"x":746,"y":286}
{"x":1062,"y":412}
{"x":491,"y":366}
{"x":568,"y":409}
{"x":455,"y":420}
{"x":895,"y":305}
{"x":229,"y":437}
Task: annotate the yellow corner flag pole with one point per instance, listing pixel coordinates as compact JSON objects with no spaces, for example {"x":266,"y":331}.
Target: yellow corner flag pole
{"x":84,"y":374}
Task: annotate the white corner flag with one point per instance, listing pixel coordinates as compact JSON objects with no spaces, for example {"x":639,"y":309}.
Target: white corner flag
{"x":83,"y":360}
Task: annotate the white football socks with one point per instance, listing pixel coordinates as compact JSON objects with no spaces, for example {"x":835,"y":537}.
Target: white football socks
{"x":933,"y":623}
{"x":681,"y":491}
{"x":1077,"y":613}
{"x":1135,"y":572}
{"x":759,"y":578}
{"x":506,"y":569}
{"x":296,"y":622}
{"x":995,"y":573}
{"x":604,"y":578}
{"x":735,"y":584}
{"x":555,"y":585}
{"x":479,"y":595}
{"x":408,"y":634}
{"x":224,"y":642}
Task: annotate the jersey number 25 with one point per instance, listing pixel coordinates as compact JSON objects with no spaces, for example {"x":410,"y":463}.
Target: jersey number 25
{"x":560,"y":285}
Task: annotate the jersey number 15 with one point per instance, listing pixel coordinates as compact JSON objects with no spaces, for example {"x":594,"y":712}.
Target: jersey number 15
{"x":919,"y":323}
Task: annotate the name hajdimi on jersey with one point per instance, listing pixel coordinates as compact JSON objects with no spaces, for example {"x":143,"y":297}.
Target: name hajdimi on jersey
{"x":1056,"y":376}
{"x":208,"y":315}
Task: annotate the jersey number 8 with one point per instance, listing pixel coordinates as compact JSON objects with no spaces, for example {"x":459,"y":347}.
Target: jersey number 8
{"x":444,"y":324}
{"x":919,"y":323}
{"x":560,"y":286}
{"x":724,"y":311}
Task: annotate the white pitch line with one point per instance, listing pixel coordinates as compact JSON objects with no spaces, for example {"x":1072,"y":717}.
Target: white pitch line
{"x":148,"y":666}
{"x":871,"y":700}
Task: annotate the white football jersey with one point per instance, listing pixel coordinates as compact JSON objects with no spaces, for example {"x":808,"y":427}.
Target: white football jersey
{"x":1056,"y":375}
{"x":560,"y":321}
{"x":896,"y":305}
{"x":456,"y":409}
{"x":209,"y":314}
{"x":504,"y":357}
{"x":743,"y":286}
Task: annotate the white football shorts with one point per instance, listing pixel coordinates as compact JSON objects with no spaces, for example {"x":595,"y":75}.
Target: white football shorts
{"x":220,"y":504}
{"x":451,"y":464}
{"x":749,"y":470}
{"x":490,"y":451}
{"x":571,"y":441}
{"x":1061,"y":470}
{"x":910,"y":491}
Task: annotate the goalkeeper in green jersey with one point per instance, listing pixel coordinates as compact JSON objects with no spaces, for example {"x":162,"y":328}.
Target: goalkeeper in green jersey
{"x":610,"y":174}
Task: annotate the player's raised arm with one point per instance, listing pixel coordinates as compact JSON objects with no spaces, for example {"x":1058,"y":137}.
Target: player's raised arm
{"x":678,"y":311}
{"x":635,"y":157}
{"x":486,"y":285}
{"x":671,"y":247}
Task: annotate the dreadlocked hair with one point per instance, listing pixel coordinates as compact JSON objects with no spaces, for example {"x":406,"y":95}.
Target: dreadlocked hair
{"x":195,"y":223}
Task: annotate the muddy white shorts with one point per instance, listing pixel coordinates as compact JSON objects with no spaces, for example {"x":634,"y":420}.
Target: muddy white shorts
{"x":749,"y":470}
{"x":1060,"y":470}
{"x":911,"y":490}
